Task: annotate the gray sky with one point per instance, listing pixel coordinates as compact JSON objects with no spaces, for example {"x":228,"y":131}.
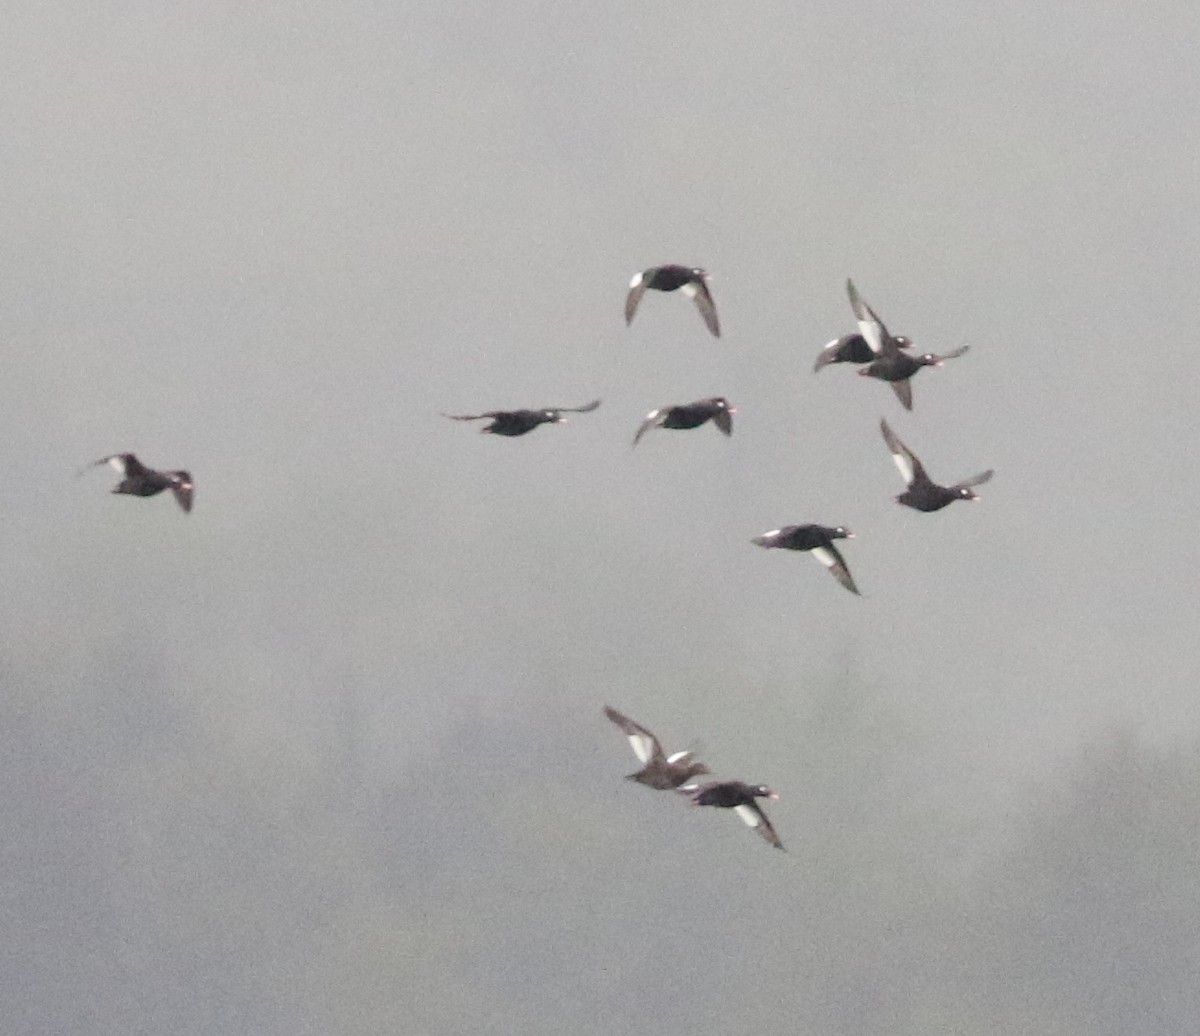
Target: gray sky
{"x":328,"y":756}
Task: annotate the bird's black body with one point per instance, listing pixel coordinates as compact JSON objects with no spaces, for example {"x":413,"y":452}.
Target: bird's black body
{"x":818,"y":539}
{"x":518,"y":422}
{"x":690,"y":415}
{"x":672,"y":277}
{"x":741,"y":797}
{"x":923,"y":494}
{"x":139,"y":480}
{"x":659,"y":771}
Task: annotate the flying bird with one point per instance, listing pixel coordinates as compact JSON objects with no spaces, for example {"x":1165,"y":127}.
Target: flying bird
{"x":659,"y":770}
{"x":890,"y":362}
{"x":818,"y":541}
{"x":742,"y":799}
{"x":692,"y":281}
{"x":852,"y":349}
{"x":923,"y":493}
{"x":690,"y":415}
{"x":518,"y":422}
{"x":139,"y":480}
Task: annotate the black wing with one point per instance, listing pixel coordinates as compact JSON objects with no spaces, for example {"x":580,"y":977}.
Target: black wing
{"x":587,"y":408}
{"x":637,"y":288}
{"x":903,"y":390}
{"x":700,"y":294}
{"x":974,"y":480}
{"x":183,"y":488}
{"x":473,"y":417}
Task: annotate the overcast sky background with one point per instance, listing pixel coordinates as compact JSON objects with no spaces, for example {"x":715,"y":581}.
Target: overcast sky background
{"x":328,"y":756}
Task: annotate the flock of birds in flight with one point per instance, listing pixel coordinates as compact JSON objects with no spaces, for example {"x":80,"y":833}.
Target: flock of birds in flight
{"x":879,"y":353}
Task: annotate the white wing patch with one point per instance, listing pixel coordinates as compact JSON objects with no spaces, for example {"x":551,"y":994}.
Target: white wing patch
{"x":679,"y":757}
{"x":824,"y":556}
{"x":690,"y":290}
{"x":905,"y":465}
{"x":643,"y":747}
{"x":117,"y":462}
{"x":637,"y":279}
{"x":749,"y":815}
{"x":870,"y":331}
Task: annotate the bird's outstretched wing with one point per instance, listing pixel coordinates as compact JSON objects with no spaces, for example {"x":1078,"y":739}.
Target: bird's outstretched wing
{"x":832,"y":559}
{"x":125,"y":463}
{"x":911,"y":469}
{"x":942,"y":358}
{"x":473,"y":417}
{"x":903,"y":390}
{"x":754,"y":817}
{"x":699,"y":293}
{"x":183,"y":488}
{"x":645,"y":745}
{"x":869,"y":325}
{"x":637,"y":288}
{"x":587,"y":408}
{"x":974,"y":480}
{"x":648,"y":422}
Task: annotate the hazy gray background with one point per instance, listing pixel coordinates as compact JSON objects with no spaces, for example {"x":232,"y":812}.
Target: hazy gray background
{"x":327,"y":756}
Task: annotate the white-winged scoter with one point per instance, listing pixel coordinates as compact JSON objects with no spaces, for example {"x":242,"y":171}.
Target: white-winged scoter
{"x":659,"y":770}
{"x":818,"y":541}
{"x":691,"y":280}
{"x":518,"y":422}
{"x":742,"y":799}
{"x":139,"y":480}
{"x":690,"y":415}
{"x":923,"y":493}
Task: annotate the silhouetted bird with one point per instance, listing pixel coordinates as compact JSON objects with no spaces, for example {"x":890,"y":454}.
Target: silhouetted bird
{"x":852,"y":349}
{"x":518,"y":422}
{"x":923,"y":493}
{"x":890,"y":363}
{"x":691,"y":280}
{"x":140,"y":480}
{"x":818,"y":541}
{"x":742,"y":799}
{"x":659,"y":770}
{"x":690,"y":415}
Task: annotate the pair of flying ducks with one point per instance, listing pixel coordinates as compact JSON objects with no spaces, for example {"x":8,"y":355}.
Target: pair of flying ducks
{"x":887,"y":357}
{"x":672,"y":772}
{"x":922,"y":494}
{"x":685,"y":415}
